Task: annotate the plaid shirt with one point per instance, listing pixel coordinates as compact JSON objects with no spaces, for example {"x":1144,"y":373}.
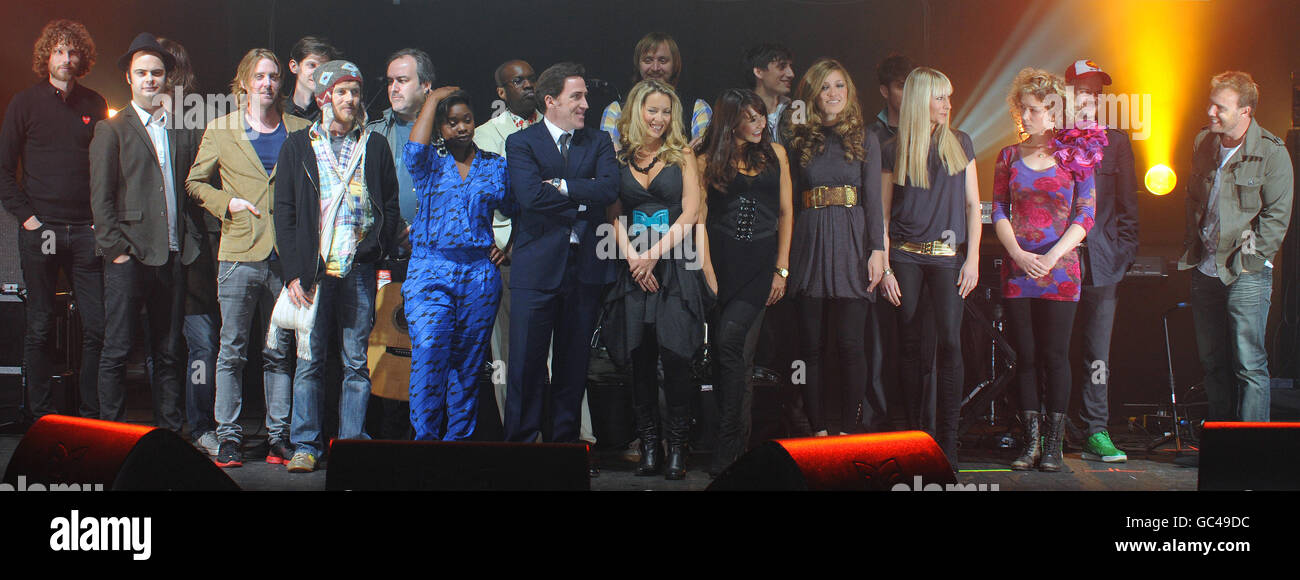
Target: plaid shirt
{"x":355,"y":216}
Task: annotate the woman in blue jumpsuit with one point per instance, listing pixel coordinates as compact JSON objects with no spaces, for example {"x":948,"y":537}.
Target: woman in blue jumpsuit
{"x":452,"y":285}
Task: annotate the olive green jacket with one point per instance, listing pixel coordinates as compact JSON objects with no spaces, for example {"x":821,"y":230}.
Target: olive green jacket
{"x":1254,"y":199}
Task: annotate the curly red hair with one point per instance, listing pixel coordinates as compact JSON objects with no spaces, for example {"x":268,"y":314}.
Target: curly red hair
{"x":66,"y":32}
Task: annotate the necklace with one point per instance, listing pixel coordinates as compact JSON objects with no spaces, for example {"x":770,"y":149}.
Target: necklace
{"x":653,"y":160}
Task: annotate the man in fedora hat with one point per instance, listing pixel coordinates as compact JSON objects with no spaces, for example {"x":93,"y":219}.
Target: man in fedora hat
{"x":138,"y":167}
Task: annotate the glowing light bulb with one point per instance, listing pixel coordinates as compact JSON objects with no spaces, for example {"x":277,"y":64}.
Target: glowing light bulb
{"x":1160,"y":179}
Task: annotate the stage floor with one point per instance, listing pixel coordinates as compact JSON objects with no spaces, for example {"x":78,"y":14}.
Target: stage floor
{"x":1143,"y":472}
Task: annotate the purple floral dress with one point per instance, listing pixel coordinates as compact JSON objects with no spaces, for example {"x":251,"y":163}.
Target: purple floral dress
{"x":1041,"y":205}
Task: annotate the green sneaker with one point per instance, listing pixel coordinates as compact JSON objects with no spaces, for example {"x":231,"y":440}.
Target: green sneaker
{"x":1099,"y":448}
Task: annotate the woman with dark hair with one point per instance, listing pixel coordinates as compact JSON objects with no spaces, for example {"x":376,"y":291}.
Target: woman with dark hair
{"x":837,"y":253}
{"x":452,"y":286}
{"x":1043,"y":206}
{"x":748,"y":219}
{"x":657,"y":57}
{"x":655,"y":311}
{"x":931,"y":201}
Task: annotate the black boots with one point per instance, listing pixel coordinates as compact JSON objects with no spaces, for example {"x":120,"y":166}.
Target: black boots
{"x":1032,"y":449}
{"x":679,"y":425}
{"x":647,"y":428}
{"x":1053,"y":457}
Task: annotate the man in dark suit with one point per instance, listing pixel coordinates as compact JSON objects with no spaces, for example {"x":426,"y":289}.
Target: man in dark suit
{"x":138,"y":165}
{"x":1106,"y":255}
{"x":563,"y":176}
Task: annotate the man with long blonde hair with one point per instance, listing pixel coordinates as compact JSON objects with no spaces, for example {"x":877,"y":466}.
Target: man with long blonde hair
{"x":242,"y":148}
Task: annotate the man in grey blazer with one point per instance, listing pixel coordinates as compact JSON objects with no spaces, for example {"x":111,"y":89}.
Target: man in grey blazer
{"x":138,"y":165}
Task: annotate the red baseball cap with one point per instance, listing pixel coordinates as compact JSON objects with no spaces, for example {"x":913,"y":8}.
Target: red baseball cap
{"x":1082,"y":68}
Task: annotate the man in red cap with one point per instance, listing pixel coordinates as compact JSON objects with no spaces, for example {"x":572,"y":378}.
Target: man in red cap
{"x":1106,"y":255}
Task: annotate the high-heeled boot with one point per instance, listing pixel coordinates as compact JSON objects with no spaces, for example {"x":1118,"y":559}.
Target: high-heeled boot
{"x":679,"y":426}
{"x":1032,"y":448}
{"x":1053,"y":455}
{"x":647,"y":428}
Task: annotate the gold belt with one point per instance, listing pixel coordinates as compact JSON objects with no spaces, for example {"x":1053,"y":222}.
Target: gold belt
{"x":819,"y":197}
{"x":928,"y":248}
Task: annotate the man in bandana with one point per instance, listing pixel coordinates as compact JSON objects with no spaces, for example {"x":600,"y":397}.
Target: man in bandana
{"x":336,"y":214}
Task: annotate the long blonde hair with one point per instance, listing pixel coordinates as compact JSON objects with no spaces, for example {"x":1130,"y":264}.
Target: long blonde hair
{"x":916,"y":131}
{"x":632,"y":129}
{"x":806,"y":138}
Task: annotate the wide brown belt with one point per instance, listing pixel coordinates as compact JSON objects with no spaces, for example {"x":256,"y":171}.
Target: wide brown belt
{"x":928,"y":248}
{"x":819,"y":197}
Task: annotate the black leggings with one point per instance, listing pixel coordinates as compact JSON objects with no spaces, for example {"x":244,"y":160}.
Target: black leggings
{"x":734,"y":338}
{"x":940,"y":298}
{"x":848,"y":316}
{"x":1040,"y":333}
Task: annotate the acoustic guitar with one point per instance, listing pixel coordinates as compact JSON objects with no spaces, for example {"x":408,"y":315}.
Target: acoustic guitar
{"x":389,"y":353}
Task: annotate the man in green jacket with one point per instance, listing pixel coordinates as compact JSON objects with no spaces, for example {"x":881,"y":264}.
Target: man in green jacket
{"x":1238,"y":209}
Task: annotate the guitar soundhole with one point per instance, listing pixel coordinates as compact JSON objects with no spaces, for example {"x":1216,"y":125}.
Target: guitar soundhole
{"x":399,"y":319}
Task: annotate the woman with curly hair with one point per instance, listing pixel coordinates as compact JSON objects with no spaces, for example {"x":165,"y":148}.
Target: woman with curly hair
{"x":452,"y":285}
{"x":655,"y":311}
{"x":931,"y":200}
{"x":1042,"y":208}
{"x":838,"y":247}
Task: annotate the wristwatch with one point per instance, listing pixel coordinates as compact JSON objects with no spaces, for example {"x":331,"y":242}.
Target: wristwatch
{"x":782,"y":272}
{"x":555,"y":183}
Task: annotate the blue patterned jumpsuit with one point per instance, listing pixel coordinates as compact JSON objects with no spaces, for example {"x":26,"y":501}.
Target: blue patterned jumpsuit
{"x":452,"y":288}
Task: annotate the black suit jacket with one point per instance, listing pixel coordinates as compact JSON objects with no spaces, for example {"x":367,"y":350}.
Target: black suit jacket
{"x":127,"y":189}
{"x":547,"y":216}
{"x":1113,"y":241}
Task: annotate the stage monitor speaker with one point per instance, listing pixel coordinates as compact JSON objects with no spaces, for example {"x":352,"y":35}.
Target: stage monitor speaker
{"x":871,"y":462}
{"x":11,"y":269}
{"x":1254,"y":456}
{"x":373,"y":465}
{"x":119,"y":456}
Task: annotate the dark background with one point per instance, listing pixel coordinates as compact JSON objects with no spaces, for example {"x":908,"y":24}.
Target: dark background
{"x":979,"y":44}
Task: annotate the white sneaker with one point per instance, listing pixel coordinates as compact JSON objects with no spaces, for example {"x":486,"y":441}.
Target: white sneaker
{"x":208,"y":442}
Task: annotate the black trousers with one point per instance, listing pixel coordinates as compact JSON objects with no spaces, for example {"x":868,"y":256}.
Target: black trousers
{"x":735,"y":332}
{"x":161,"y":291}
{"x":933,"y":289}
{"x":849,"y":319}
{"x":1040,"y":333}
{"x":43,"y":254}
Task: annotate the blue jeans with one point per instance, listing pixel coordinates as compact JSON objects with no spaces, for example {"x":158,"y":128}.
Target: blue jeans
{"x":1230,"y":322}
{"x":347,"y":306}
{"x":241,"y":288}
{"x":202,"y":338}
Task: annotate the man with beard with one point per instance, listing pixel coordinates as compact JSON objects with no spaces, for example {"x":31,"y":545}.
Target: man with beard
{"x":336,"y":214}
{"x":47,"y":131}
{"x":137,"y":175}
